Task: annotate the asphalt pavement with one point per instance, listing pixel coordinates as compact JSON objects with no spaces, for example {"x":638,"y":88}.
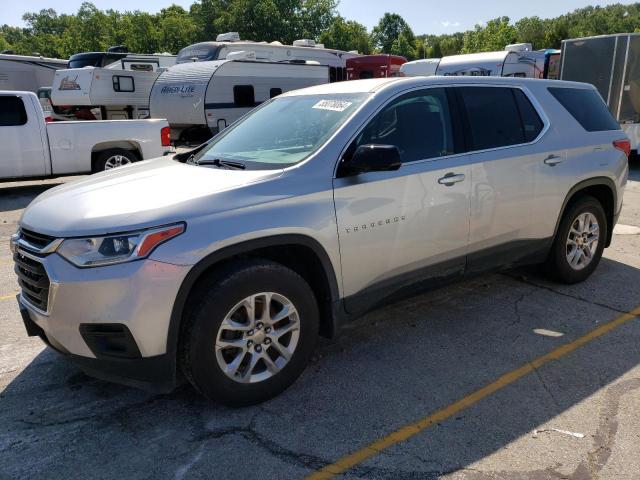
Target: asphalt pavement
{"x":449,"y":384}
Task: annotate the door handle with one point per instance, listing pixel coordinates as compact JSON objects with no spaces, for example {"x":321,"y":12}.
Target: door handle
{"x":553,"y":160}
{"x":451,"y":178}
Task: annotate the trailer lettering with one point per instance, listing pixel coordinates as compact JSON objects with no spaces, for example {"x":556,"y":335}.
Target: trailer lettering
{"x":178,"y":89}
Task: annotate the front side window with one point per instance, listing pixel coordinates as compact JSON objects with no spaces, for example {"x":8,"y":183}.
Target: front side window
{"x":283,"y":131}
{"x":418,"y":123}
{"x":12,"y":112}
{"x":493,"y":116}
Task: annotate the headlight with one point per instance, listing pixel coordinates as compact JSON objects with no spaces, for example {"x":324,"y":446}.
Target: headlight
{"x":110,"y":249}
{"x":13,"y":242}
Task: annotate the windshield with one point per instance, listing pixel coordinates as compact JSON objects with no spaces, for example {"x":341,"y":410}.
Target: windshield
{"x":199,"y":52}
{"x":283,"y":132}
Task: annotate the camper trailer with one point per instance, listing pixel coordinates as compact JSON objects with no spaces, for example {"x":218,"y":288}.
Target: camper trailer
{"x":374,"y":66}
{"x":27,"y":73}
{"x":199,"y":99}
{"x":518,"y":60}
{"x":612,"y":64}
{"x":119,"y":91}
{"x":300,"y":52}
{"x":425,"y":67}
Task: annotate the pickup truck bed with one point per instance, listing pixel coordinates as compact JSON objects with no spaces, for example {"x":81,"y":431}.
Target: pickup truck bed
{"x":32,"y":147}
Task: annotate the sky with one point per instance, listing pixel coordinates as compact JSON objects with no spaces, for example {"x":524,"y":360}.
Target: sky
{"x":424,"y":16}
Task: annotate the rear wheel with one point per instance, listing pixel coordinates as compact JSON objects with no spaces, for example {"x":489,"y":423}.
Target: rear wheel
{"x":579,"y":242}
{"x":114,"y":158}
{"x":250,"y":334}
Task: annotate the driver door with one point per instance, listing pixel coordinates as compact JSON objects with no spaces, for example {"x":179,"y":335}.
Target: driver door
{"x":400,"y":227}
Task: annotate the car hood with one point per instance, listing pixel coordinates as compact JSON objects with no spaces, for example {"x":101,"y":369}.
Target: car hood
{"x":145,"y":194}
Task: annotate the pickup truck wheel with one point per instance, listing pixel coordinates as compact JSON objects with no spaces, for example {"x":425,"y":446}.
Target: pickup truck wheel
{"x":579,"y":243}
{"x":113,"y":158}
{"x":251,"y":332}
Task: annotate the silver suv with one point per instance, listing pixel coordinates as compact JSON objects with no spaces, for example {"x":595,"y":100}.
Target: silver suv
{"x":224,"y":264}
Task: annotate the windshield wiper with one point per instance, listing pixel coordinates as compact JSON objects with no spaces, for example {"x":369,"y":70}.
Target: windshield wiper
{"x":216,"y":162}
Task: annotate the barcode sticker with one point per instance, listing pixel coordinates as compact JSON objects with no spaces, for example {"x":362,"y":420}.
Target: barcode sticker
{"x":333,"y":105}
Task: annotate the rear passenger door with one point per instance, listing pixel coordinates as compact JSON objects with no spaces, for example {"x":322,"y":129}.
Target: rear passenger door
{"x":20,"y":139}
{"x":398,"y":227}
{"x":506,"y":151}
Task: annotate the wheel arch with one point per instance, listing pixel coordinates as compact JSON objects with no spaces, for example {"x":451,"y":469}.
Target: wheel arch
{"x":301,"y":253}
{"x":602,"y":188}
{"x":129,"y":145}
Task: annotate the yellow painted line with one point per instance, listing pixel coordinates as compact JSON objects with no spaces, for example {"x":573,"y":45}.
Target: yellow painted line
{"x":411,"y":429}
{"x":8,"y":297}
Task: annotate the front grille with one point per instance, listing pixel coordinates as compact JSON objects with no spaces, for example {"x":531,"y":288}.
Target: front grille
{"x":33,"y":279}
{"x":36,"y":239}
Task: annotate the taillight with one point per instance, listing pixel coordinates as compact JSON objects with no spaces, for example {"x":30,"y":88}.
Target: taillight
{"x":624,"y":146}
{"x":48,"y":119}
{"x":165,"y":136}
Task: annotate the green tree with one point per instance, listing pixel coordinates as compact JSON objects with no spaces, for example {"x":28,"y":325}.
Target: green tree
{"x":402,"y":46}
{"x":176,"y":29}
{"x":346,"y":35}
{"x":531,"y":30}
{"x":388,"y":31}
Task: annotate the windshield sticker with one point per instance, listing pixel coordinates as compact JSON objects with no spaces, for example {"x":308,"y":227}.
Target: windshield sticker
{"x":333,"y":105}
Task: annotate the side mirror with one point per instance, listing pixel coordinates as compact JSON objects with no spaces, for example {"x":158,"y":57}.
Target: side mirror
{"x":372,"y":158}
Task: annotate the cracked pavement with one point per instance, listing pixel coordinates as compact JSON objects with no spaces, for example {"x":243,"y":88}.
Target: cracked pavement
{"x":388,"y":369}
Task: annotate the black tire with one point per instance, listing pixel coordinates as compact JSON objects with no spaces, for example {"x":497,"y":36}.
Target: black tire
{"x":102,"y":158}
{"x":557,"y":265}
{"x":215,"y":296}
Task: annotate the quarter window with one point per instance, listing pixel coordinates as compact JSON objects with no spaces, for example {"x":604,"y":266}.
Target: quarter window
{"x":587,"y":107}
{"x":12,"y":112}
{"x":243,"y":96}
{"x":418,"y":123}
{"x":493,"y":116}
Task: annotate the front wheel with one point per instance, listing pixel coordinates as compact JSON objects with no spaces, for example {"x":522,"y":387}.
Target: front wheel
{"x":579,"y":242}
{"x":251,"y":332}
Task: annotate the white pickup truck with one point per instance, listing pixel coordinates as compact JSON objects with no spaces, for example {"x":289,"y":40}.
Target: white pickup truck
{"x":34,"y":147}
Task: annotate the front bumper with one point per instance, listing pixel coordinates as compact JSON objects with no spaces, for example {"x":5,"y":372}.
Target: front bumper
{"x":156,"y":374}
{"x":136,"y":298}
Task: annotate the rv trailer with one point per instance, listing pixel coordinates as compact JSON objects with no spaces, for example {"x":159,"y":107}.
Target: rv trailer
{"x":374,"y":66}
{"x":300,"y":52}
{"x":199,"y":99}
{"x":612,"y":64}
{"x":27,"y":73}
{"x":425,"y":67}
{"x":119,"y":91}
{"x":518,"y":60}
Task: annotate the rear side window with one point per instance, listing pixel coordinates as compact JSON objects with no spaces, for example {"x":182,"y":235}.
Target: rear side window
{"x":531,"y":122}
{"x":243,"y":96}
{"x":587,"y":107}
{"x":12,"y":112}
{"x":494,"y":117}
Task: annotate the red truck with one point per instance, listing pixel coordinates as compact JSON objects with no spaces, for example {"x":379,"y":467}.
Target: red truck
{"x":374,"y":66}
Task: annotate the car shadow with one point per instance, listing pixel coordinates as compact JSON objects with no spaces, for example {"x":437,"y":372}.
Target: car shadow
{"x":18,"y":197}
{"x":387,"y":369}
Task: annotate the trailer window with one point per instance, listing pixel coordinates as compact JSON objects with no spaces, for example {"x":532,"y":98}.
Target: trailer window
{"x":244,"y":96}
{"x":123,"y":83}
{"x":274,"y":92}
{"x":12,"y":112}
{"x":587,"y":107}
